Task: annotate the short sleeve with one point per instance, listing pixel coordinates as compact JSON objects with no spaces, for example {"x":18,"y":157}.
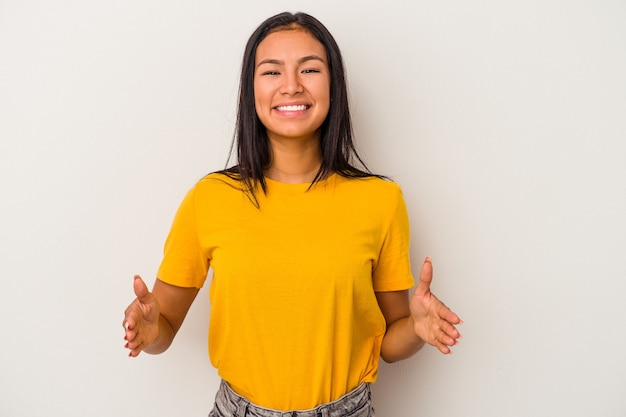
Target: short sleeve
{"x":184,"y":263}
{"x":392,"y":271}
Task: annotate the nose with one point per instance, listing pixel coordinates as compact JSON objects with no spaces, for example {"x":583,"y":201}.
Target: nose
{"x":292,"y":84}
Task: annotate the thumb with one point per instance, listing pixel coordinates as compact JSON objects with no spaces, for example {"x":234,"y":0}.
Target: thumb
{"x":426,"y":277}
{"x":141,"y":290}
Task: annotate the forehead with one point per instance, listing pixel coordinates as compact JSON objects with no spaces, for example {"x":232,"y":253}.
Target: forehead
{"x":289,"y":43}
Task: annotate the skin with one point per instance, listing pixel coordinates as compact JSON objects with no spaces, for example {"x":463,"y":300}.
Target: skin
{"x":291,"y":69}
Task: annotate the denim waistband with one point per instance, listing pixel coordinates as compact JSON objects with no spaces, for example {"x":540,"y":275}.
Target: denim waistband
{"x":356,"y":403}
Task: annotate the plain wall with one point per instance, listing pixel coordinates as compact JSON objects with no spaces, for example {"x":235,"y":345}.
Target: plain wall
{"x":504,"y":122}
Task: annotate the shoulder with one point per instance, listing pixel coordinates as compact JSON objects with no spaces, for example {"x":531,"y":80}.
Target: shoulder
{"x":218,"y":182}
{"x":375,"y":186}
{"x":213,"y":187}
{"x":372,"y":194}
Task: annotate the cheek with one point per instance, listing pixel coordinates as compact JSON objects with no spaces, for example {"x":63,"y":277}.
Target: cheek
{"x":258,"y":105}
{"x":256,"y":93}
{"x":327,"y":100}
{"x":257,"y":89}
{"x":262,"y":99}
{"x":326,"y":93}
{"x":261,"y":109}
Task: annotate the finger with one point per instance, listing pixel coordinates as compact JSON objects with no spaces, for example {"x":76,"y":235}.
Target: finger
{"x":444,"y":342}
{"x":450,"y":332}
{"x":130,"y":335}
{"x":446,"y":338}
{"x":129,"y":319}
{"x":448,"y":315}
{"x":134,"y":352}
{"x":133,"y":345}
{"x":132,"y":315}
{"x":443,"y":348}
{"x":140,"y":288}
{"x":426,"y":277}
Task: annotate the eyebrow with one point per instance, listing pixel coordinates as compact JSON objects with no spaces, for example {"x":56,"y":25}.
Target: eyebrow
{"x":300,"y":61}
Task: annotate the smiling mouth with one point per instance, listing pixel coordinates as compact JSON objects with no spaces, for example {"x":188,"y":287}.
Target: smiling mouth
{"x":300,"y":107}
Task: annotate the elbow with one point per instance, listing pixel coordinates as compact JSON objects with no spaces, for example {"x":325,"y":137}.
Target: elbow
{"x":389,"y":355}
{"x":389,"y":359}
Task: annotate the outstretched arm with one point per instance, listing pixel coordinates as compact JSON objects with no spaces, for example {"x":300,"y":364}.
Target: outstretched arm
{"x":422,"y":319}
{"x":152,"y":320}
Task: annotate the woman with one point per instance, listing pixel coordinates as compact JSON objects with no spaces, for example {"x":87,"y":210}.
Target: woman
{"x":310,"y":253}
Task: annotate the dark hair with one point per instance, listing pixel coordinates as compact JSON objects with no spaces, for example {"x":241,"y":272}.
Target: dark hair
{"x":251,"y":142}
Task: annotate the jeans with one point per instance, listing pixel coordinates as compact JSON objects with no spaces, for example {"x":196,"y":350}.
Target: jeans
{"x":357,"y":403}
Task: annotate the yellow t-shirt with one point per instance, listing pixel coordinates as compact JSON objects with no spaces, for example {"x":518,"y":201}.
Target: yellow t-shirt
{"x":294,"y":318}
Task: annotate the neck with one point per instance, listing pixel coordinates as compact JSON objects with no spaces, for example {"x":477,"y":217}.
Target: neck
{"x":294,"y":162}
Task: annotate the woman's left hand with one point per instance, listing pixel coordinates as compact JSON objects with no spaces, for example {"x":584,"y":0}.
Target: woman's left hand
{"x":433,"y":321}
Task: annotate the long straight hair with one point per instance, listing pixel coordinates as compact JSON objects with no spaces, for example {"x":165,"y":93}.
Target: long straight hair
{"x":251,"y":142}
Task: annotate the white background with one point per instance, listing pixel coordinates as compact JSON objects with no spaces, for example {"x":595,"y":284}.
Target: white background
{"x":504,"y":122}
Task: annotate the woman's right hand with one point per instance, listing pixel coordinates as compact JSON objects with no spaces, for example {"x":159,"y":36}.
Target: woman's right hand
{"x":141,"y":319}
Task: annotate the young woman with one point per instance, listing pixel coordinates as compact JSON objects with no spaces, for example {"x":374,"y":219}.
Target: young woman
{"x":309,"y":250}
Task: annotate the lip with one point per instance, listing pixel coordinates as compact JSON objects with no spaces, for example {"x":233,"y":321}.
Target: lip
{"x":281,"y":107}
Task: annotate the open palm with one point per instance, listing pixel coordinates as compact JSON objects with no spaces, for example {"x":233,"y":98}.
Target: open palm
{"x":433,"y":321}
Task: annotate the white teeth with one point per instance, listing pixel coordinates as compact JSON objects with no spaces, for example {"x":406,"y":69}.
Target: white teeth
{"x":292,"y":108}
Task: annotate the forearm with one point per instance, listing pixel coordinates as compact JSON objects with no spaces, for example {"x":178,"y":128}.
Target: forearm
{"x":400,"y":341}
